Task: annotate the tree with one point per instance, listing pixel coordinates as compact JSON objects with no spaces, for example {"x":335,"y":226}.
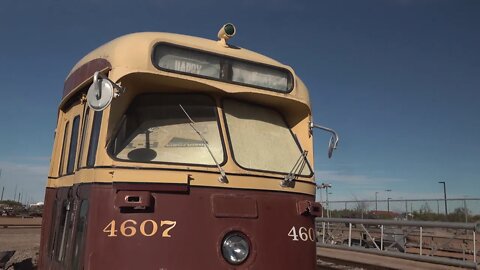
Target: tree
{"x":425,"y":208}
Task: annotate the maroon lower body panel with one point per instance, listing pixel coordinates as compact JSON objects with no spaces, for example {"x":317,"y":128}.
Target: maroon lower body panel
{"x":138,"y":228}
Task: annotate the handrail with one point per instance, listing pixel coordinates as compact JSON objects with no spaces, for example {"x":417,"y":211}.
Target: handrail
{"x":429,"y":259}
{"x":327,"y":230}
{"x":412,"y":223}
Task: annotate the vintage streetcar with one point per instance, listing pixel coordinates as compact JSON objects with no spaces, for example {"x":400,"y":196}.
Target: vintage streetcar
{"x":178,"y":152}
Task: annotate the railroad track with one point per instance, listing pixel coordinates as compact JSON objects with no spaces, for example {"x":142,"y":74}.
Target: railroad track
{"x":330,"y":263}
{"x":20,"y":226}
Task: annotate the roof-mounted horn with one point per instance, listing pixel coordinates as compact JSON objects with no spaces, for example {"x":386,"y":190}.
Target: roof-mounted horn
{"x":226,"y":32}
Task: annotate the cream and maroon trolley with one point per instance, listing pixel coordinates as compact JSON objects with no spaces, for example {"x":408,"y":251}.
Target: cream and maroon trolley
{"x":178,"y":152}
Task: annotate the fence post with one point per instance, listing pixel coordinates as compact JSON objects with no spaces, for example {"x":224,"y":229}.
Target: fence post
{"x":406,"y":210}
{"x":421,"y":240}
{"x":381,"y":237}
{"x":474,"y":246}
{"x":349,"y":234}
{"x":323,"y":233}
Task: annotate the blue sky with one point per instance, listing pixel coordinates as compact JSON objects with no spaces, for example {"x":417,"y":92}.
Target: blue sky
{"x":398,"y":79}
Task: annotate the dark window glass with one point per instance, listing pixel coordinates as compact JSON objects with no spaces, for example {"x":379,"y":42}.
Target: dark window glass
{"x":92,"y":149}
{"x":73,"y":145}
{"x":64,"y":145}
{"x":79,"y":245}
{"x":84,"y":135}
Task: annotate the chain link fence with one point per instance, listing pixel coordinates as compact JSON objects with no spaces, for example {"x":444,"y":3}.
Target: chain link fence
{"x":457,"y":209}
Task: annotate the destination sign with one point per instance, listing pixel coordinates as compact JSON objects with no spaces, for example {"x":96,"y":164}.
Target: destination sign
{"x":203,"y":64}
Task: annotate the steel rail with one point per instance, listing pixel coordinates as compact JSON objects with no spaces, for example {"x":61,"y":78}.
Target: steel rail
{"x":19,"y":226}
{"x":429,"y":259}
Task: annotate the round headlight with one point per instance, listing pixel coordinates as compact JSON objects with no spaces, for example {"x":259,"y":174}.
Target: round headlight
{"x":235,"y":248}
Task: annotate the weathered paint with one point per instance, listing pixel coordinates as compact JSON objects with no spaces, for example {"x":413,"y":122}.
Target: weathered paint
{"x":203,"y":216}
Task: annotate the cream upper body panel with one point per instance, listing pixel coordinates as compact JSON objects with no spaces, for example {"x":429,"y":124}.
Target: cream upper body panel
{"x":130,"y":58}
{"x":132,"y":53}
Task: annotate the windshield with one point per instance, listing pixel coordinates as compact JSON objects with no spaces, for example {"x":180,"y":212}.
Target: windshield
{"x":260,"y":138}
{"x":155,"y":129}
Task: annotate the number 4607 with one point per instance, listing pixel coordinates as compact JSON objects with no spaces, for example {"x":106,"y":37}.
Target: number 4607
{"x":147,"y":228}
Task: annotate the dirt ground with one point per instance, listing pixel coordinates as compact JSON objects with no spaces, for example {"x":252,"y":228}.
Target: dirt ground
{"x":24,"y":241}
{"x":19,"y":238}
{"x":15,"y":238}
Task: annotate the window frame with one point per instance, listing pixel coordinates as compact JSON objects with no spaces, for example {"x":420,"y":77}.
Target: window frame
{"x":217,"y":119}
{"x":61,"y":165}
{"x":79,"y":240}
{"x":232,"y":151}
{"x":73,"y":145}
{"x":84,"y":133}
{"x":59,"y":249}
{"x":225,"y":59}
{"x":94,"y":139}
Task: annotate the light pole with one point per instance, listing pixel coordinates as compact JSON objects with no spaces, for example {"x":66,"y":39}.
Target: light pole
{"x":326,"y":197}
{"x":376,"y":201}
{"x":388,"y":199}
{"x":325,"y":186}
{"x":444,"y":195}
{"x":3,"y":187}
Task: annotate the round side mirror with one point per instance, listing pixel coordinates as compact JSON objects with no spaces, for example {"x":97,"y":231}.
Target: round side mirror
{"x":100,"y":94}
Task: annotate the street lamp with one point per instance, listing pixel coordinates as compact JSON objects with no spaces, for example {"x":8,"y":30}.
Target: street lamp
{"x":325,"y":186}
{"x":444,"y":195}
{"x":388,"y":199}
{"x":326,"y":194}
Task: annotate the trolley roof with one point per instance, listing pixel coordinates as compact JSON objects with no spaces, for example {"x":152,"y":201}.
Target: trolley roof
{"x":133,"y":53}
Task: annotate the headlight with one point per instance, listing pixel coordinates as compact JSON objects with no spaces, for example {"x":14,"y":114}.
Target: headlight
{"x":235,"y":248}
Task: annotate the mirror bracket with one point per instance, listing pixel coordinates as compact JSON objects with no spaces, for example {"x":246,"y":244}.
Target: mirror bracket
{"x":102,"y":91}
{"x":118,"y":86}
{"x":333,"y":143}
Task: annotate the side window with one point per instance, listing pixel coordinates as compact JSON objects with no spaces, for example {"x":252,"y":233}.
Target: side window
{"x":84,"y":135}
{"x":64,"y":146}
{"x":73,"y":145}
{"x":81,"y":232}
{"x":92,"y":149}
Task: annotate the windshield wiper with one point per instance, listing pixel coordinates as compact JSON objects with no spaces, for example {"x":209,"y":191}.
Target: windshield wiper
{"x":297,"y":167}
{"x":223,"y":176}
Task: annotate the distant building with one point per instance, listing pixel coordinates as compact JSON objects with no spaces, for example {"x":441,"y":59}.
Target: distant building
{"x":36,"y":204}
